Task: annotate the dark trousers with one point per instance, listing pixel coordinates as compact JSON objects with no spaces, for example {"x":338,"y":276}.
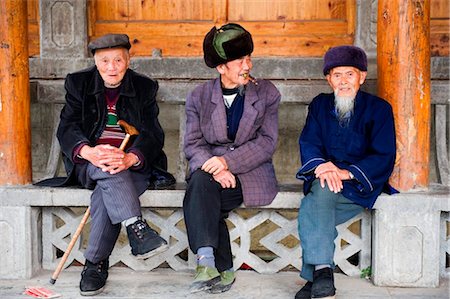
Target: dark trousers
{"x":114,"y":199}
{"x":321,"y":210}
{"x":206,"y":206}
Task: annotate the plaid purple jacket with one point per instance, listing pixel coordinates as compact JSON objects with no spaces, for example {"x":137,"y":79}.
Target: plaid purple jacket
{"x":250,"y":155}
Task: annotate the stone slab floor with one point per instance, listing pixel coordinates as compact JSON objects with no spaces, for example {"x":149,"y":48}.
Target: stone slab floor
{"x":166,"y":283}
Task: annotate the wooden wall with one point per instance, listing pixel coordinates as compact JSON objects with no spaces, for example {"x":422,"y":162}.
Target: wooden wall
{"x":279,"y":27}
{"x":440,"y":27}
{"x":33,"y":27}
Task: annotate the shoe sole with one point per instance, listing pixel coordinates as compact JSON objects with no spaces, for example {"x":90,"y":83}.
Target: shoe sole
{"x":153,"y":252}
{"x":220,"y":288}
{"x":207,"y":286}
{"x":329,"y":297}
{"x":92,"y":293}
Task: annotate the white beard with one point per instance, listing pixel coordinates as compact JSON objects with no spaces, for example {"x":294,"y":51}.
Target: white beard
{"x":344,"y":105}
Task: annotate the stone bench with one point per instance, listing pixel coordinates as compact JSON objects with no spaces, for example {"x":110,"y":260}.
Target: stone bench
{"x":408,"y":245}
{"x":51,"y":215}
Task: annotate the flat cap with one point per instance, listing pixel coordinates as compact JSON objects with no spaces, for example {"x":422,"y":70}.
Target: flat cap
{"x":344,"y":56}
{"x":229,"y":42}
{"x":110,"y":41}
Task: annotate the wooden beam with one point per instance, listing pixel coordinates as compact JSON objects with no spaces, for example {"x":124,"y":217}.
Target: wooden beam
{"x":403,"y":54}
{"x":15,"y":129}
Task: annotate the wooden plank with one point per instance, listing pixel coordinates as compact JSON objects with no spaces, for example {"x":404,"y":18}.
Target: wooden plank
{"x":177,"y":46}
{"x":220,"y":12}
{"x":439,"y":37}
{"x":33,"y":10}
{"x":91,"y":17}
{"x":111,"y":10}
{"x":33,"y":27}
{"x":286,"y":10}
{"x":440,"y":25}
{"x":439,"y":9}
{"x":351,"y":17}
{"x":439,"y":44}
{"x":33,"y":39}
{"x":320,"y":28}
{"x":163,"y":10}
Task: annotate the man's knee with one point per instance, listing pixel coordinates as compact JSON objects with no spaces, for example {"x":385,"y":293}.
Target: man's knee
{"x":200,"y":175}
{"x":200,"y":179}
{"x":318,"y":191}
{"x":201,"y":190}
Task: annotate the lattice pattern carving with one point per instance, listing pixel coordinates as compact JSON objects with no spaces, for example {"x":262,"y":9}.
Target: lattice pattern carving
{"x":60,"y":223}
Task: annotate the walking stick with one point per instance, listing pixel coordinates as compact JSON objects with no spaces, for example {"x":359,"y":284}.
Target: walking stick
{"x":129,"y":130}
{"x":70,"y":246}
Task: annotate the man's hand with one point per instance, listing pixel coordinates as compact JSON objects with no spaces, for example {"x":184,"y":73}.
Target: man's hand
{"x":226,"y":179}
{"x":108,"y":158}
{"x":333,"y":181}
{"x":332,"y":175}
{"x":215,"y":165}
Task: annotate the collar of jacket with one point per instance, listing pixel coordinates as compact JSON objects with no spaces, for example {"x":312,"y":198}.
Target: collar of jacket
{"x":248,"y":117}
{"x":217,"y":95}
{"x":97,"y":85}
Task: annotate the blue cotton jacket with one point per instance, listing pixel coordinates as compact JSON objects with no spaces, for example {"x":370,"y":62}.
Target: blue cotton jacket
{"x":366,"y":147}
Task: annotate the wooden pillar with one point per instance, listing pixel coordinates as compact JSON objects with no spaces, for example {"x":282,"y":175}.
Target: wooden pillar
{"x":403,"y":59}
{"x":15,"y":132}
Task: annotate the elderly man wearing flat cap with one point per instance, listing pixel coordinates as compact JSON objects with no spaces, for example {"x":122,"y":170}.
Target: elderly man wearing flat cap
{"x":90,"y":137}
{"x":231,"y":135}
{"x":347,"y":152}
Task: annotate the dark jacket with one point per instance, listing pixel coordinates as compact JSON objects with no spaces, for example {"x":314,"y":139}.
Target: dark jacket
{"x":366,"y":147}
{"x":84,"y":117}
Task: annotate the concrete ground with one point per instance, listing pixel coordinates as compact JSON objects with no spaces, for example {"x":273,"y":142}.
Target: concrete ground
{"x":166,"y":283}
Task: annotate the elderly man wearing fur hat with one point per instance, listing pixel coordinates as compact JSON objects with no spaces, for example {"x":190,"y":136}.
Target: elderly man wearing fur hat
{"x":231,"y":135}
{"x":348,"y":152}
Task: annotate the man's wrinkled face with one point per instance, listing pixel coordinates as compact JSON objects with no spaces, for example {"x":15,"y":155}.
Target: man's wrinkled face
{"x":346,"y":80}
{"x":232,"y":72}
{"x":112,"y":65}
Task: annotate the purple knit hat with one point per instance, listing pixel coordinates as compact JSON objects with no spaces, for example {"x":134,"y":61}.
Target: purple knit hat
{"x":344,"y":56}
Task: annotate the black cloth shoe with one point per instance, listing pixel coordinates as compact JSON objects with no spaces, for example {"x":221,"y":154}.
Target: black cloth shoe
{"x":144,"y":241}
{"x":161,"y":179}
{"x":93,"y":278}
{"x":323,"y":284}
{"x":305,"y":292}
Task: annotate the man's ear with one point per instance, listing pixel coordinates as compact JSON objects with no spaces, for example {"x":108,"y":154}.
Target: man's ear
{"x":328,"y":77}
{"x":221,"y":68}
{"x":127,"y":57}
{"x":362,"y":77}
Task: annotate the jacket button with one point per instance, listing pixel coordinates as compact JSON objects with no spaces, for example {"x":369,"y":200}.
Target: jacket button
{"x":231,"y":148}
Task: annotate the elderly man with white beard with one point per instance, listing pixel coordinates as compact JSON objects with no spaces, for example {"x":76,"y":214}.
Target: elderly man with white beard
{"x":347,"y":152}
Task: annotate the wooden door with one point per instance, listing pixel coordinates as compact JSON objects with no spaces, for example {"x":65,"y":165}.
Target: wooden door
{"x":177,"y":27}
